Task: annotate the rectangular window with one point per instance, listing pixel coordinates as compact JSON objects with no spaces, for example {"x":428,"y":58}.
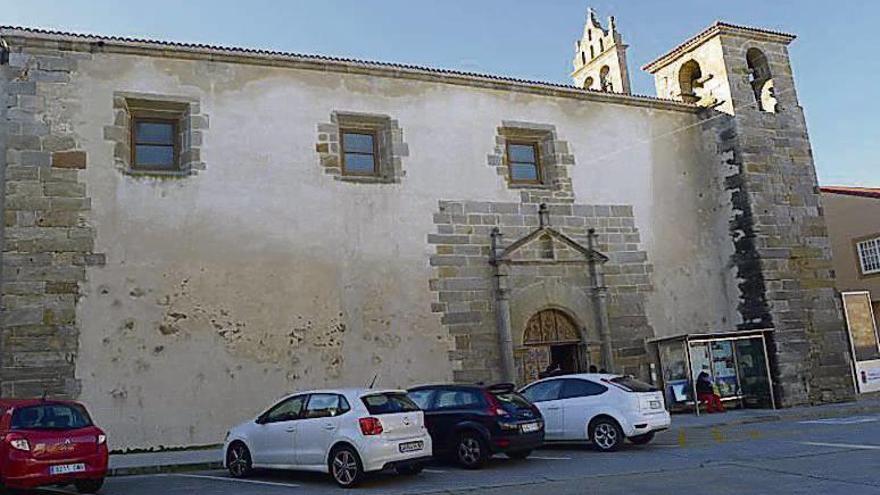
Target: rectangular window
{"x":154,"y":144}
{"x":359,"y":153}
{"x":869,"y":255}
{"x":524,"y":163}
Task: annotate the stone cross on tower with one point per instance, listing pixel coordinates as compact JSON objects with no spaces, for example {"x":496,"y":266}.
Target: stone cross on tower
{"x":600,"y":58}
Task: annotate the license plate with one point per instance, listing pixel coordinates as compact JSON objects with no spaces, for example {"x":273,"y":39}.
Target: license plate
{"x":67,"y":469}
{"x":655,"y":404}
{"x":530,"y":427}
{"x":411,"y":446}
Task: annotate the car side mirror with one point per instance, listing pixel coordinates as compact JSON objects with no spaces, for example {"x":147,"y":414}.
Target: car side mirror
{"x":261,"y":419}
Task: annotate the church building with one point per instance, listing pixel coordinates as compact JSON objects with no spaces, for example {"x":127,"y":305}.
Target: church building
{"x":191,"y":231}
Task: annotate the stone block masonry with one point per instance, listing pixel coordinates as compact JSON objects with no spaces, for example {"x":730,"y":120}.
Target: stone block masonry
{"x":47,"y":242}
{"x":462,"y":281}
{"x":778,"y":181}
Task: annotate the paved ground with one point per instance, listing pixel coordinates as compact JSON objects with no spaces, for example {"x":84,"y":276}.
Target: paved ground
{"x":839,"y":455}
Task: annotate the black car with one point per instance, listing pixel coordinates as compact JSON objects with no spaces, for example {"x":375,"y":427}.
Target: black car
{"x":469,"y":423}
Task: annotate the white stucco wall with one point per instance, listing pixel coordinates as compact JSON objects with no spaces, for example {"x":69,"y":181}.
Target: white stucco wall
{"x":262,"y":275}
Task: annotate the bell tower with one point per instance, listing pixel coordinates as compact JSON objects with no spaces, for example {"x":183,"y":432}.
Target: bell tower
{"x":600,"y":58}
{"x":782,"y":260}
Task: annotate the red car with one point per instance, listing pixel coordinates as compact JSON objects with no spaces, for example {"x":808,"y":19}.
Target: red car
{"x":50,"y":442}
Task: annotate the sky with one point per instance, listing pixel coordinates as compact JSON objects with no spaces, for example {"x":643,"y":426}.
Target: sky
{"x":835,"y":57}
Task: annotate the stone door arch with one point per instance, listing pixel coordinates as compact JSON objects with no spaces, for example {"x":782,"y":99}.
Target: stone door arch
{"x":549,"y":335}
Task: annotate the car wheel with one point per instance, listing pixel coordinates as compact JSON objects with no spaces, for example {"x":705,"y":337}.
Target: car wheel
{"x":519,"y":454}
{"x":346,"y":467}
{"x":238,"y":460}
{"x":89,"y":486}
{"x":642,"y":439}
{"x":471,"y":452}
{"x":410,"y":469}
{"x":606,"y":435}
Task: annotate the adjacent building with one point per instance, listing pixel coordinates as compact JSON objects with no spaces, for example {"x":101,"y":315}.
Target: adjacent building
{"x":853,"y":216}
{"x":191,"y":231}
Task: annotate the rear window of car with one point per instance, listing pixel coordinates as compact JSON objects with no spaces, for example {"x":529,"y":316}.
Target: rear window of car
{"x":459,"y":398}
{"x":389,"y":403}
{"x":422,"y":398}
{"x":632,"y":384}
{"x":512,"y":401}
{"x":50,"y":417}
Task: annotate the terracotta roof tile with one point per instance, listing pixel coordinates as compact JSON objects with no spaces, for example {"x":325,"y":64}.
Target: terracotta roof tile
{"x":866,"y":192}
{"x":717,"y":27}
{"x":392,"y":67}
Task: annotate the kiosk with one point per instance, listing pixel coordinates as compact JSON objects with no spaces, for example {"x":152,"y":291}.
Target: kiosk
{"x":737,"y":362}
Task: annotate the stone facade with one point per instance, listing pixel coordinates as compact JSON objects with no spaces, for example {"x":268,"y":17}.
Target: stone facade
{"x":783,"y":252}
{"x":177,"y":304}
{"x":48,"y":242}
{"x":463,"y":282}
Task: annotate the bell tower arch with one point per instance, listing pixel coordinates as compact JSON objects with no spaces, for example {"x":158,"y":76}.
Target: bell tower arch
{"x":782,"y":254}
{"x":600,"y":58}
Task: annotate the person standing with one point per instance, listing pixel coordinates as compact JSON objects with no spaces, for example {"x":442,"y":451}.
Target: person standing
{"x":706,"y":393}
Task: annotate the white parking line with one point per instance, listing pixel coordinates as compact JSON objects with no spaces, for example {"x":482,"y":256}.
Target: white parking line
{"x":852,"y":420}
{"x":549,"y":458}
{"x":237,"y":480}
{"x":843,"y":445}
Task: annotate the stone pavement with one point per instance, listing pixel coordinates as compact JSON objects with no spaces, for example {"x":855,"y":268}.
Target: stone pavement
{"x":212,"y":457}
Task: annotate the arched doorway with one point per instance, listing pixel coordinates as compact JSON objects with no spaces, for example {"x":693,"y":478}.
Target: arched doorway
{"x":550,"y":336}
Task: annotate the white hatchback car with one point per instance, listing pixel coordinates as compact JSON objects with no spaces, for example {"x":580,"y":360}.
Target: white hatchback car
{"x":342,"y":432}
{"x":602,"y":408}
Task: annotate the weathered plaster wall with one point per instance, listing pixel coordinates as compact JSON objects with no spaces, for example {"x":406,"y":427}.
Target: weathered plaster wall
{"x":262,"y":274}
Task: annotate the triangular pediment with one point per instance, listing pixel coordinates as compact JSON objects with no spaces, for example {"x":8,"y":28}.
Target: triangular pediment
{"x":548,"y":245}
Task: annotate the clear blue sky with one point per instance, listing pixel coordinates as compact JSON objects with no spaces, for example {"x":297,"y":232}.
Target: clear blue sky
{"x":835,"y":58}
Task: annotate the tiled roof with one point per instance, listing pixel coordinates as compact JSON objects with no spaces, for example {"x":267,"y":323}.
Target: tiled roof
{"x":717,"y":27}
{"x":866,"y":192}
{"x":390,"y":69}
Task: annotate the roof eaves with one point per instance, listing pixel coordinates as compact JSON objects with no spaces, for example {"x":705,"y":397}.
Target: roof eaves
{"x":339,"y":64}
{"x":864,"y":192}
{"x":716,"y":28}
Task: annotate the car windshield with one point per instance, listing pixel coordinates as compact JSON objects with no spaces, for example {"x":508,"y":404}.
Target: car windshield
{"x":389,"y":403}
{"x":632,"y":384}
{"x":512,"y":401}
{"x":50,"y":417}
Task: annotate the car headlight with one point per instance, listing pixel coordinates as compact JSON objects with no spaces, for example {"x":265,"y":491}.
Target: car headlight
{"x":20,"y":444}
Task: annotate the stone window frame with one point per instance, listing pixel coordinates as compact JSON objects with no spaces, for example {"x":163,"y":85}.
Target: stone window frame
{"x":389,"y":143}
{"x":554,"y":156}
{"x":183,"y":110}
